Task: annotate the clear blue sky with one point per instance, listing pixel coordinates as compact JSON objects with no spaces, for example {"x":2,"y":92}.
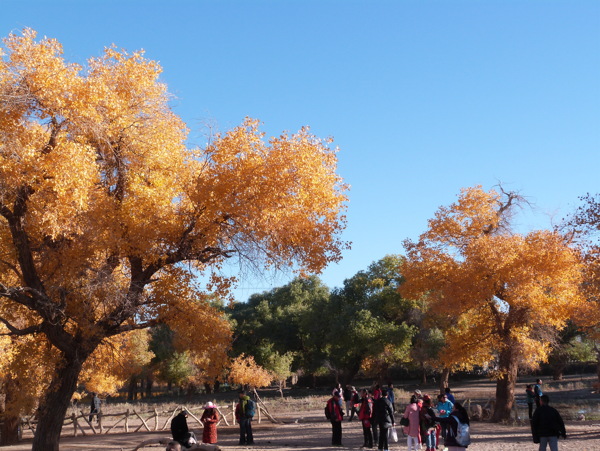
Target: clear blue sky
{"x":422,"y":97}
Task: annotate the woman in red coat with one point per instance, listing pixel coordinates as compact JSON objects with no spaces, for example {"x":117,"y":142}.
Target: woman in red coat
{"x":209,"y":419}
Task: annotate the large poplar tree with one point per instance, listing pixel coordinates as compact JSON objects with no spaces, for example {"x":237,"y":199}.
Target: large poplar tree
{"x":502,"y":287}
{"x":107,"y":216}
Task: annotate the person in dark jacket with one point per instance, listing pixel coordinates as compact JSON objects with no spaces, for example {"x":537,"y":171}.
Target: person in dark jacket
{"x":336,"y":416}
{"x":384,"y":413}
{"x":547,"y":425}
{"x":95,"y":407}
{"x":458,"y":411}
{"x":180,"y":430}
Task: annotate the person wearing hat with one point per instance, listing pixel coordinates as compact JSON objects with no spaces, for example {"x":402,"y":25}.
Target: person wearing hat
{"x":210,"y":418}
{"x":180,"y":430}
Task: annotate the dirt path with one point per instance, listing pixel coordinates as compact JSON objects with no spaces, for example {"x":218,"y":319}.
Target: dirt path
{"x":310,"y":432}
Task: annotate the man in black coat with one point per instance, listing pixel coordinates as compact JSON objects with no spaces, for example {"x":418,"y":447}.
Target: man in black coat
{"x":180,"y":430}
{"x":383,"y":412}
{"x":547,"y":425}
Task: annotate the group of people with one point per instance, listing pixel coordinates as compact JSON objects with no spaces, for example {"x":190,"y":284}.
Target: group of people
{"x":423,"y":421}
{"x":183,"y":437}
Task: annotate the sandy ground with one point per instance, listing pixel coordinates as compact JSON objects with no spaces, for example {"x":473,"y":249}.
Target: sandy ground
{"x":311,"y":432}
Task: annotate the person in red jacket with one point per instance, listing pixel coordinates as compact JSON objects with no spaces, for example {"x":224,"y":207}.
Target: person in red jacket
{"x":335,"y":414}
{"x":365,"y":415}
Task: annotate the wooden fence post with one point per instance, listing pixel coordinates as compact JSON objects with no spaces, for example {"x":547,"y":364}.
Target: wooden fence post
{"x":127,"y":421}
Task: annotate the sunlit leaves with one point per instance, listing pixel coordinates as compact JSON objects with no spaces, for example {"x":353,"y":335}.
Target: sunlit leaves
{"x":498,"y":285}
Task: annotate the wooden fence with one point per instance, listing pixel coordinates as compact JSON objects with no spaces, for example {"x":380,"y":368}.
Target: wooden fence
{"x":134,"y":421}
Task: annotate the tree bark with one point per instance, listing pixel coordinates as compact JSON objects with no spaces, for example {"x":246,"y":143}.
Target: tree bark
{"x":505,"y":386}
{"x":54,"y":405}
{"x":9,"y":433}
{"x":444,"y":378}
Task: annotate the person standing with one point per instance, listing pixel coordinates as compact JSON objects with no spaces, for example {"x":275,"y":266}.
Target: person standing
{"x":335,"y":414}
{"x":444,"y":407}
{"x":365,"y":415}
{"x":449,"y":395}
{"x":355,"y":403}
{"x":530,"y":399}
{"x":412,"y":431}
{"x":391,"y":395}
{"x":95,"y":407}
{"x":427,"y":425}
{"x":537,"y":390}
{"x":243,"y":413}
{"x":385,"y":419}
{"x":210,"y":418}
{"x":547,"y":425}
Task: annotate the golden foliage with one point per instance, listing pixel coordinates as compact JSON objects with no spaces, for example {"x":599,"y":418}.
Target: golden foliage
{"x":245,"y":371}
{"x":498,"y":286}
{"x":107,"y":217}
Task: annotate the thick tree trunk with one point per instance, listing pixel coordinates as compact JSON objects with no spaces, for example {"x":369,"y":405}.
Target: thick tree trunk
{"x":54,"y":405}
{"x":149,"y":384}
{"x":505,"y":386}
{"x":9,"y":433}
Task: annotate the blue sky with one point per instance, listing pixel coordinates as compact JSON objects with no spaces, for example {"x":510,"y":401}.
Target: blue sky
{"x":422,"y":97}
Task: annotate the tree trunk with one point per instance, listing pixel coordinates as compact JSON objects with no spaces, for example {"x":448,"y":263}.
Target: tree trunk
{"x":149,"y":384}
{"x":9,"y":433}
{"x":444,"y":377}
{"x":558,"y":371}
{"x":55,"y":403}
{"x":132,"y":389}
{"x":598,"y":364}
{"x":505,"y":386}
{"x":424,"y":373}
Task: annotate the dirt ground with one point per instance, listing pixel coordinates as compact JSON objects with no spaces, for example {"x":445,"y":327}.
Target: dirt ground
{"x":308,"y":430}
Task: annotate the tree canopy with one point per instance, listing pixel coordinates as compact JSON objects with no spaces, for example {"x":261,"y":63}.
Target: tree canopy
{"x":107,"y":216}
{"x":502,"y":288}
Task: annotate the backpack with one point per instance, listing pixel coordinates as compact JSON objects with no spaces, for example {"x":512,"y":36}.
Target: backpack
{"x":250,"y":408}
{"x":463,"y":434}
{"x":327,"y":412}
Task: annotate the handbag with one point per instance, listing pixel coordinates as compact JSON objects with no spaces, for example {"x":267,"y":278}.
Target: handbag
{"x":404,"y":421}
{"x":394,"y":433}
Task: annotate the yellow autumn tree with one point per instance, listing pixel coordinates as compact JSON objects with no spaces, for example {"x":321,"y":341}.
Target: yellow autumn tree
{"x":246,"y":372}
{"x":105,"y":213}
{"x":502,"y":287}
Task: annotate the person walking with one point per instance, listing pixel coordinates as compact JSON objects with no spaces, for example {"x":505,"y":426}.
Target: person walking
{"x":412,"y":431}
{"x":209,"y":418}
{"x":335,"y":413}
{"x":547,"y":425}
{"x":385,"y":419}
{"x":244,"y":411}
{"x":95,"y":407}
{"x":365,"y":415}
